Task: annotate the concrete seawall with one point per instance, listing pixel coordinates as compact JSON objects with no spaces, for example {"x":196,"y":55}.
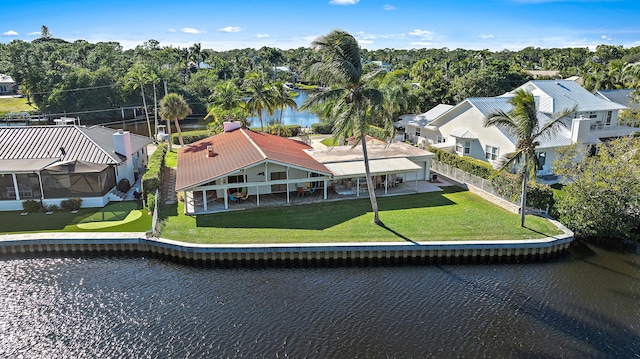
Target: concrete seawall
{"x":304,"y":253}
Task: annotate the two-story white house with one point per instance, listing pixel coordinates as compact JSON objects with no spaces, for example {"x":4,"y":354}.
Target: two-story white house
{"x":461,"y":129}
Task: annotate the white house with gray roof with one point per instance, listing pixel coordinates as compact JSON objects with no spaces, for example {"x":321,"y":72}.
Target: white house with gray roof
{"x":7,"y":84}
{"x":461,"y":129}
{"x":54,"y":163}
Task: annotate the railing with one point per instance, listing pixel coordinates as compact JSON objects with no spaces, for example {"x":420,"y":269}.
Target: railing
{"x":465,"y":177}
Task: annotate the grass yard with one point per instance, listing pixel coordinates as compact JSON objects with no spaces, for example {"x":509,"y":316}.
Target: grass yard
{"x":451,"y":215}
{"x":171,"y":158}
{"x":114,"y":217}
{"x":14,"y":104}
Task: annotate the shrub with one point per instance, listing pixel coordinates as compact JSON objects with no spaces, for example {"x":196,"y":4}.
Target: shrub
{"x":31,"y":206}
{"x":71,"y":204}
{"x":151,"y":202}
{"x":378,"y":133}
{"x":322,"y":128}
{"x":52,"y":208}
{"x":152,"y":178}
{"x":468,"y":164}
{"x":190,"y":136}
{"x":510,"y":186}
{"x":124,"y":185}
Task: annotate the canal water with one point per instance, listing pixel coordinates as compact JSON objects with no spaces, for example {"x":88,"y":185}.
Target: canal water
{"x":586,"y":305}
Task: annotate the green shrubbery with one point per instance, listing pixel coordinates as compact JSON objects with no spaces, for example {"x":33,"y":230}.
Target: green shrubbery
{"x":31,"y":206}
{"x":190,"y":136}
{"x":467,"y":164}
{"x":71,"y":204}
{"x":152,"y":178}
{"x":322,"y":128}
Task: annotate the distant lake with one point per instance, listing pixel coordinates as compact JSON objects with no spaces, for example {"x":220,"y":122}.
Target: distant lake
{"x":289,"y":117}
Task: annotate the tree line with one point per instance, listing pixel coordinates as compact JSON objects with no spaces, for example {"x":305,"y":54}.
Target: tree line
{"x":96,"y":80}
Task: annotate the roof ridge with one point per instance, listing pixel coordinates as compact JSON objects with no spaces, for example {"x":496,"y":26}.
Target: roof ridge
{"x":253,"y":143}
{"x":117,"y":160}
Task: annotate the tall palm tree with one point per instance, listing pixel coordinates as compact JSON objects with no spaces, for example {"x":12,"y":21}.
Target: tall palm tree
{"x":226,"y":103}
{"x":260,"y":97}
{"x":283,"y":99}
{"x":174,"y":107}
{"x":351,"y":95}
{"x":138,"y":77}
{"x":522,"y":121}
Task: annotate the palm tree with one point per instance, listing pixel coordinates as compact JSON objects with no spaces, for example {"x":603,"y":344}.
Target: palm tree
{"x":351,"y":96}
{"x":226,"y":103}
{"x":138,"y":77}
{"x":260,"y":97}
{"x":174,"y":107}
{"x":283,"y":99}
{"x":522,"y":121}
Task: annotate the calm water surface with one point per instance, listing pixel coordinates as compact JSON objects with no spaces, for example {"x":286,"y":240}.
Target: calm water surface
{"x":579,"y":307}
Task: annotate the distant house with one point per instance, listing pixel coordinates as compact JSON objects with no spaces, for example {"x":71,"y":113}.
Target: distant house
{"x":53,"y":163}
{"x":213,"y":172}
{"x":287,"y":69}
{"x":414,"y":126}
{"x":385,"y":66}
{"x":461,"y":129}
{"x":7,"y":85}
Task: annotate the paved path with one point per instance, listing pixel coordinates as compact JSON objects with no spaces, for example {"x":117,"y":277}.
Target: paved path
{"x":168,"y":189}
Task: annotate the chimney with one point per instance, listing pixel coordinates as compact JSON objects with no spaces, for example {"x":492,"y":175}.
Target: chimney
{"x":580,"y":130}
{"x":230,"y":126}
{"x":122,"y":146}
{"x":210,"y":152}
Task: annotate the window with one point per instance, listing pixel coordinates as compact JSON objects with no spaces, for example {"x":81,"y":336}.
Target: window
{"x":417,"y":131}
{"x":591,"y":114}
{"x":491,"y":153}
{"x":542,"y":158}
{"x":463,"y":147}
{"x":607,"y":121}
{"x":441,"y":139}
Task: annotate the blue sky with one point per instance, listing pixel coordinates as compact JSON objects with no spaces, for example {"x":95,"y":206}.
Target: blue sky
{"x":399,"y":24}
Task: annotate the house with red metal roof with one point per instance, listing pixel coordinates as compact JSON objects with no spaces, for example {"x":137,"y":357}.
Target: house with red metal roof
{"x":240,"y":168}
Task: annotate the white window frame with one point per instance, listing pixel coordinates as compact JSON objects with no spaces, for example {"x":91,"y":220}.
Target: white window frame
{"x":491,"y":153}
{"x":417,"y":131}
{"x":463,"y":147}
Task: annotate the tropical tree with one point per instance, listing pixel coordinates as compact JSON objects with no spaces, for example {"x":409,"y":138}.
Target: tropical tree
{"x":522,"y":121}
{"x":174,"y":107}
{"x":226,"y":103}
{"x":260,"y":97}
{"x":351,"y":97}
{"x":283,"y":98}
{"x":137,"y":77}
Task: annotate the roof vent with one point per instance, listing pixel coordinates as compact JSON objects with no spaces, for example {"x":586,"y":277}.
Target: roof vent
{"x":210,"y":152}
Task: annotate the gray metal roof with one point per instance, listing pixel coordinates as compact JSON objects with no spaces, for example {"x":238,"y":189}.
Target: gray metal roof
{"x":28,"y":165}
{"x":621,"y":96}
{"x":566,"y":94}
{"x":66,"y":143}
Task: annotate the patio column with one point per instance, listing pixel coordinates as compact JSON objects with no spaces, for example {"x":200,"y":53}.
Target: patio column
{"x":226,"y":199}
{"x":326,"y":183}
{"x":417,"y":181}
{"x":358,"y":187}
{"x":386,"y":183}
{"x":15,"y":186}
{"x":41,"y":186}
{"x":204,"y":199}
{"x":258,"y":196}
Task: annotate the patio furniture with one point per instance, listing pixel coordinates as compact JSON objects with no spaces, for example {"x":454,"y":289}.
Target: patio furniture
{"x":232,"y":198}
{"x":300,"y":191}
{"x":244,"y":194}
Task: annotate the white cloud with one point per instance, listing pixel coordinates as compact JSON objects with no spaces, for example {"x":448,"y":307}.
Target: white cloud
{"x":421,"y":33}
{"x":230,"y":29}
{"x":486,"y":36}
{"x":190,"y":30}
{"x":10,"y":33}
{"x":34,"y":33}
{"x":262,"y":36}
{"x":343,"y":2}
{"x":365,"y":42}
{"x":389,"y":7}
{"x":172,"y":30}
{"x":605,"y":37}
{"x":420,"y":43}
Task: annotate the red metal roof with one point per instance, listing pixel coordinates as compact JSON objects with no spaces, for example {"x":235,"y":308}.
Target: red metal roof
{"x":236,"y":150}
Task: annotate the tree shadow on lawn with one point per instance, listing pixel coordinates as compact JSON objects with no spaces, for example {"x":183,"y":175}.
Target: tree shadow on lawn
{"x":317,"y":216}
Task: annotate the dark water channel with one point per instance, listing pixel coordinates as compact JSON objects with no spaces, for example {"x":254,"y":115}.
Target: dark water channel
{"x":586,"y":305}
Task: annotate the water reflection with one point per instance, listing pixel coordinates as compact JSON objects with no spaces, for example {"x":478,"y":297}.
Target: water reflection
{"x":135,"y":307}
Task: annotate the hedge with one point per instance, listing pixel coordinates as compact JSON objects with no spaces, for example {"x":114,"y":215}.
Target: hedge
{"x":190,"y":136}
{"x":152,"y":178}
{"x":468,"y":164}
{"x":322,"y":128}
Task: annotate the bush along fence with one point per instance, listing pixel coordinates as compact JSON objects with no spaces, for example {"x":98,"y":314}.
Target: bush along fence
{"x":152,"y":178}
{"x":503,"y":185}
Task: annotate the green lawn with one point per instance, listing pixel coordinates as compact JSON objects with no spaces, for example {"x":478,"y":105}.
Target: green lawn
{"x":14,"y":104}
{"x":171,"y":158}
{"x":452,"y":215}
{"x":115,"y":213}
